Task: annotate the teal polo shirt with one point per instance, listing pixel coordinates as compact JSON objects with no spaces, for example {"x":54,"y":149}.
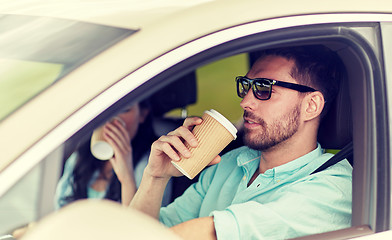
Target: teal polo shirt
{"x":284,"y":202}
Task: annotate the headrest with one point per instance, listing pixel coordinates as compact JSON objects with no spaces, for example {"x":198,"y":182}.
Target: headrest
{"x":335,"y":129}
{"x":178,"y":94}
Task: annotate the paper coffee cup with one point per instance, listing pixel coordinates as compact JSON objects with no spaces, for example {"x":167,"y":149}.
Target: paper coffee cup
{"x":101,"y":149}
{"x":213,"y":135}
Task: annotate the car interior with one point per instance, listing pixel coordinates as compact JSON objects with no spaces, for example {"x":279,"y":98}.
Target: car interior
{"x":335,"y":131}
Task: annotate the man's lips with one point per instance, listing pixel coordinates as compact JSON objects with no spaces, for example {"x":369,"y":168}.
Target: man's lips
{"x":249,"y":120}
{"x":250,"y":123}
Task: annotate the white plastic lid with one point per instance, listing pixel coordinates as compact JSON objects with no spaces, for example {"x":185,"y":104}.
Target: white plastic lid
{"x":102,"y":150}
{"x":224,"y":121}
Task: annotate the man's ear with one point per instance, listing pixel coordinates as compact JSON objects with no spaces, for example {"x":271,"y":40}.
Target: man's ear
{"x":313,"y":105}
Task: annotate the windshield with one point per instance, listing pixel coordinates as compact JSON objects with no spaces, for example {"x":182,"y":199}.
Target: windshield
{"x":35,"y":52}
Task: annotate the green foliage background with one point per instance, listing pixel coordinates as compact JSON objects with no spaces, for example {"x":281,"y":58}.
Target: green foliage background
{"x":216,"y":88}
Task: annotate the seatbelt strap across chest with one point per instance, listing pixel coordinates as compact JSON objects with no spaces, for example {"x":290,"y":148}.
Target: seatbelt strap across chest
{"x":342,"y":154}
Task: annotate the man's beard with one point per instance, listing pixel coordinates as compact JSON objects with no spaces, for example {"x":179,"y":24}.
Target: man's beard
{"x":281,"y":129}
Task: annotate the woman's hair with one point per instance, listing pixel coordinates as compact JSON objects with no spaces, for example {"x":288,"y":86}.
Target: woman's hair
{"x":86,"y":164}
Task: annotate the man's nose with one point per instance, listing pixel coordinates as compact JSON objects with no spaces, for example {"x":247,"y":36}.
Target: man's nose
{"x":249,"y":101}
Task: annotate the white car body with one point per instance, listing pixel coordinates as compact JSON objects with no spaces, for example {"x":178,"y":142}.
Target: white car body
{"x":159,"y":37}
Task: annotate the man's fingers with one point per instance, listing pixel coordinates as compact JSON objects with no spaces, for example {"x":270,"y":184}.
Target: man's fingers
{"x":172,"y":146}
{"x":190,"y":122}
{"x":216,"y":160}
{"x":185,"y":131}
{"x":185,"y":134}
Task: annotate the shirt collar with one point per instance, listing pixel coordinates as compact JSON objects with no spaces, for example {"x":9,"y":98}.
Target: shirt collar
{"x":297,"y":164}
{"x":248,"y":157}
{"x":250,"y":160}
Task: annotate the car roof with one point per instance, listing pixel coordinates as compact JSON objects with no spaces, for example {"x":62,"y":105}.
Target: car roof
{"x":140,"y":13}
{"x":163,"y":25}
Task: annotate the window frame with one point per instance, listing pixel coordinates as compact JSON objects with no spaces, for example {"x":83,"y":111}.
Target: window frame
{"x":369,"y":143}
{"x":386,"y":37}
{"x":369,"y":215}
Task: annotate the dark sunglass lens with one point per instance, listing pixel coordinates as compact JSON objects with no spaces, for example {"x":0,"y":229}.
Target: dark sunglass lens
{"x":262,"y":91}
{"x":242,"y":87}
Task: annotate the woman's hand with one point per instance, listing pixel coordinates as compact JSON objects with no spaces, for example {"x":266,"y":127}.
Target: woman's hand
{"x":122,"y":162}
{"x":117,"y":136}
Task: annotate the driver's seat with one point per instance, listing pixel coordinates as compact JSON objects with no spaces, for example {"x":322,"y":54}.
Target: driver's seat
{"x":335,"y":131}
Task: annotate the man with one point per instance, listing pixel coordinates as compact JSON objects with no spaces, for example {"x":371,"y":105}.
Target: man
{"x":265,"y":189}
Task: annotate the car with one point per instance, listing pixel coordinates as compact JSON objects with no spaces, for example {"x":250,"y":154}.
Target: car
{"x":69,"y":66}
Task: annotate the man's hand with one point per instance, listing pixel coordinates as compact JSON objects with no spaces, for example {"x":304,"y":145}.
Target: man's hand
{"x":159,"y":170}
{"x":20,"y":232}
{"x":172,"y":147}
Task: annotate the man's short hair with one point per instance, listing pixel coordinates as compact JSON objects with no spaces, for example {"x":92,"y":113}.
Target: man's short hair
{"x":315,"y":66}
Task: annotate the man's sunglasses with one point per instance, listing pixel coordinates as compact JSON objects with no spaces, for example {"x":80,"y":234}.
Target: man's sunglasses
{"x":262,"y":87}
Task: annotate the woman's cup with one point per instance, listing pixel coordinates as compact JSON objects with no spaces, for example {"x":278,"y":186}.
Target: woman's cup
{"x":101,"y":149}
{"x":213,"y":135}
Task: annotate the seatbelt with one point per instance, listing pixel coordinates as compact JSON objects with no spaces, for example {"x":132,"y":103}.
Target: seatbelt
{"x":342,"y":154}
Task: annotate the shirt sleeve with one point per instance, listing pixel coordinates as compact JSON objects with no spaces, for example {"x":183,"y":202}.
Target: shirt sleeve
{"x":187,"y":206}
{"x":64,"y":186}
{"x":317,"y":204}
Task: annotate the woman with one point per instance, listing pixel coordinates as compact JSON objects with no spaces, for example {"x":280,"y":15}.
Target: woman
{"x":87,"y":177}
